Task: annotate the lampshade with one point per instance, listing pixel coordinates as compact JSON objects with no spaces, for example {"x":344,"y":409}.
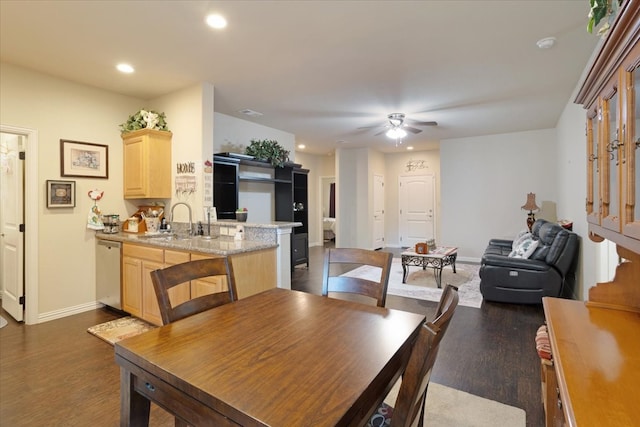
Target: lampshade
{"x":530,"y":205}
{"x":395,"y":133}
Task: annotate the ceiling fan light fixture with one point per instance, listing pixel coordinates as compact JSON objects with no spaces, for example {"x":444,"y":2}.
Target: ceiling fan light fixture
{"x":396,"y":133}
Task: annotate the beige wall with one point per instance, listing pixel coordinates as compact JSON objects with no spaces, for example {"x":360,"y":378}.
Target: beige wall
{"x":58,"y":109}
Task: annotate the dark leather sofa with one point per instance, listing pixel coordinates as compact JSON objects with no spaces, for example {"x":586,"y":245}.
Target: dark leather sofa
{"x":549,"y":271}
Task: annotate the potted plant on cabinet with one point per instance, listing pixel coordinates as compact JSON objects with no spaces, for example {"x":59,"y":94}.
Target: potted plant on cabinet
{"x":268,"y":150}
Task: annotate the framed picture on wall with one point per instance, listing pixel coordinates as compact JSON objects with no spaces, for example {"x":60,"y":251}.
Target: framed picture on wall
{"x":61,"y":194}
{"x":83,"y":159}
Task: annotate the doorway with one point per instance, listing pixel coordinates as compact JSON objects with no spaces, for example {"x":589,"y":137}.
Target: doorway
{"x":11,"y":223}
{"x":417,"y":209}
{"x":26,"y":264}
{"x":328,"y":210}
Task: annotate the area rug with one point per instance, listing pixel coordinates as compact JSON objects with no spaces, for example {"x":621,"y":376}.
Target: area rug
{"x":3,"y":322}
{"x":119,"y":329}
{"x":448,"y":407}
{"x":421,"y":284}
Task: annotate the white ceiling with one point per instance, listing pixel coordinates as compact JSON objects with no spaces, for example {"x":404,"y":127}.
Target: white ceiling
{"x":322,"y":69}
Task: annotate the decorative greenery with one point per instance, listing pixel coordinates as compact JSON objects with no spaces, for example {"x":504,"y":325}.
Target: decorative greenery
{"x":241,"y":210}
{"x":269,"y":150}
{"x":599,"y":10}
{"x":145,"y":119}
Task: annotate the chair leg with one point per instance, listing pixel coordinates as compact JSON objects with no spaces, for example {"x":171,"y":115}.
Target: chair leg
{"x":424,"y":402}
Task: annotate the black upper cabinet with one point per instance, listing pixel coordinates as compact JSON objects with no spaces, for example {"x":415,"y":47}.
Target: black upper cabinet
{"x":290,"y":188}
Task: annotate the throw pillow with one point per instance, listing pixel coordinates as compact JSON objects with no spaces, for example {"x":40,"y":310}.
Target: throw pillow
{"x":524,"y":234}
{"x":524,"y":249}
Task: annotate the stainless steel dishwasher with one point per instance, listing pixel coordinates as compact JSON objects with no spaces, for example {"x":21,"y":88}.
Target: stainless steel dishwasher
{"x":108,"y":273}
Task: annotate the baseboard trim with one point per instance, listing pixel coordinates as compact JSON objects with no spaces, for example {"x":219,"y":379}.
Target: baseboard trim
{"x":68,"y":311}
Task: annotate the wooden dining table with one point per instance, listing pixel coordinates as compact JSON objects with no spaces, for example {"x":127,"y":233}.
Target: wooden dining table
{"x":278,"y":358}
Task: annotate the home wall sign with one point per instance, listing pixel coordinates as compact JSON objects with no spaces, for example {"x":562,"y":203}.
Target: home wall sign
{"x":187,"y":167}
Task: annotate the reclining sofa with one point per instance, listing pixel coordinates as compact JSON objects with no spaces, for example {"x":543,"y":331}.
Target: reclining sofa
{"x":548,"y":271}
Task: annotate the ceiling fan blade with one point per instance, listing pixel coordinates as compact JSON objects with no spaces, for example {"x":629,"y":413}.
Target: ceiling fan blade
{"x":412,"y":130}
{"x":372,"y":127}
{"x":419,"y":123}
{"x":380,"y":133}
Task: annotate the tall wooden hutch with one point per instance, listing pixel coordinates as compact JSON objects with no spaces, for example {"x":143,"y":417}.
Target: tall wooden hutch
{"x":596,"y":343}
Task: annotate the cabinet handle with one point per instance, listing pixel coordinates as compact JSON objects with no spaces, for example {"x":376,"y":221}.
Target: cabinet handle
{"x":150,"y":386}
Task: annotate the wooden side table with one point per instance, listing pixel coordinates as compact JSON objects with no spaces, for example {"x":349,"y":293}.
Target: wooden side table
{"x":436,"y":259}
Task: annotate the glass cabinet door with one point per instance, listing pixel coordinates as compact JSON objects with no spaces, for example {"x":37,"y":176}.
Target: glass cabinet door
{"x":631,"y":226}
{"x":594,"y":201}
{"x":610,"y":162}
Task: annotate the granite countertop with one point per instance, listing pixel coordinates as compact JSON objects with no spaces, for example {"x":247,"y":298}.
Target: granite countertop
{"x":221,"y":245}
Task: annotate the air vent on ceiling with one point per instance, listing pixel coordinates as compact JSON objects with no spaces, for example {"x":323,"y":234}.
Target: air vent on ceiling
{"x":250,"y":113}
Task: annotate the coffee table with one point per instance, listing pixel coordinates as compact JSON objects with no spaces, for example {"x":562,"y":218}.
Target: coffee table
{"x":436,"y":258}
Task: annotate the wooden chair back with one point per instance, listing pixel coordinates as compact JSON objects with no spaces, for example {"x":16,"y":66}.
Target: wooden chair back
{"x":444,"y":312}
{"x":415,"y":380}
{"x":376,"y":289}
{"x":166,"y":278}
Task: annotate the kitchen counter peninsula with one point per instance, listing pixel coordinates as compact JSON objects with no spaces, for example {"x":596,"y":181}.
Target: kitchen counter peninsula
{"x":260,"y":262}
{"x":257,"y":237}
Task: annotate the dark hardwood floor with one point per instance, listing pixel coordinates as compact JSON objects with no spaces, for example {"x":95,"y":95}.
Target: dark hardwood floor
{"x":57,"y":374}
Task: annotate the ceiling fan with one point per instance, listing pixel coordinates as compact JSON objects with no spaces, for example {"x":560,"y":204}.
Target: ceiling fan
{"x":396,"y":128}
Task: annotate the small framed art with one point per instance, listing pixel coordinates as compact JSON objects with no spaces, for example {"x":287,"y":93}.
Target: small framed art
{"x":61,"y":194}
{"x":83,"y":159}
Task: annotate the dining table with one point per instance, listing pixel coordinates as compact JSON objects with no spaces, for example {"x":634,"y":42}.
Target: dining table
{"x":280,"y":358}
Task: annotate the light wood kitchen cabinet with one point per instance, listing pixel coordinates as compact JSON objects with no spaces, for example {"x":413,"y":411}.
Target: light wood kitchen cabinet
{"x":147,"y":164}
{"x":138,"y":296}
{"x":254,"y":272}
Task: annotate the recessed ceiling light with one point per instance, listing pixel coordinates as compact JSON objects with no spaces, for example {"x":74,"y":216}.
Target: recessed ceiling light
{"x":302,"y":146}
{"x":546,"y":43}
{"x":216,"y":21}
{"x":409,"y":147}
{"x":125,"y":68}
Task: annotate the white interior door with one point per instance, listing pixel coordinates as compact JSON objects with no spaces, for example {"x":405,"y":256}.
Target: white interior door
{"x":378,"y":211}
{"x":11,"y":217}
{"x":417,"y":204}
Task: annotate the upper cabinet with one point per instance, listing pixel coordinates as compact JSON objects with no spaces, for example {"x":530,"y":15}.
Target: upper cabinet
{"x":147,"y":164}
{"x":610,"y":95}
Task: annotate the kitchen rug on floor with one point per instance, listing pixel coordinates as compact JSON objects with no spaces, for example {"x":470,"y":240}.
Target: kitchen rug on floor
{"x":3,"y":322}
{"x":119,"y":329}
{"x":448,"y":407}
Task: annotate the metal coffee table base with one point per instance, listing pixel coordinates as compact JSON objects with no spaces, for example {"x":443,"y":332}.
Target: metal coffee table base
{"x":435,"y":261}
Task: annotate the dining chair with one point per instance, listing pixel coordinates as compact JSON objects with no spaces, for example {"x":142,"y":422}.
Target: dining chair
{"x":166,"y":278}
{"x":376,"y":288}
{"x":411,"y":399}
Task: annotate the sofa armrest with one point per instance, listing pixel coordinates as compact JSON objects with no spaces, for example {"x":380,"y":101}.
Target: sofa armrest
{"x":501,"y":242}
{"x":515,"y":263}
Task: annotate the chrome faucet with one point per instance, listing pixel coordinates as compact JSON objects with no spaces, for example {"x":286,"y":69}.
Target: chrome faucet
{"x":190,"y":218}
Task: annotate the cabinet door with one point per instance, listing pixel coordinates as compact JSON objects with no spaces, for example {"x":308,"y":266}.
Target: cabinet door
{"x":134,"y":159}
{"x":181,"y":293}
{"x":207,"y":285}
{"x":610,"y":156}
{"x":594,"y":200}
{"x":150,"y":308}
{"x":132,"y":286}
{"x":631,"y":226}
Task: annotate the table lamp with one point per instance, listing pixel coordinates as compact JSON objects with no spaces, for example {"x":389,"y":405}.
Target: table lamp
{"x":530,"y":206}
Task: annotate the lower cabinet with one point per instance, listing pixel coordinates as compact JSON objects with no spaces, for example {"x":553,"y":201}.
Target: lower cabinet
{"x":299,"y":249}
{"x":254,"y":272}
{"x":208,"y":285}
